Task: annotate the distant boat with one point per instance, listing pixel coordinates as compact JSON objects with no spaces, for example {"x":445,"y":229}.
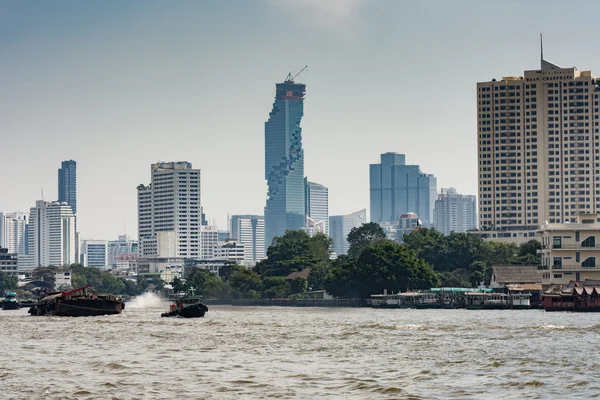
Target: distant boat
{"x":187,"y":307}
{"x":78,"y":303}
{"x":10,"y":301}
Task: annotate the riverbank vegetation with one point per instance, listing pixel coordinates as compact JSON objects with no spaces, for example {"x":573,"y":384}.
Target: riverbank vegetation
{"x":297,"y":263}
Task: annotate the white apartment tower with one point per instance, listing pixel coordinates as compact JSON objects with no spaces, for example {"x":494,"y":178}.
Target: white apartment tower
{"x":13,"y":232}
{"x":316,"y":205}
{"x":454,"y":212}
{"x":538,"y":146}
{"x":52,"y":234}
{"x":249,"y":230}
{"x":171,"y":203}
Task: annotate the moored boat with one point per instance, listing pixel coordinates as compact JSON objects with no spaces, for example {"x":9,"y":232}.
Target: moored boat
{"x":187,"y":307}
{"x":575,"y":296}
{"x":79,"y":302}
{"x":10,"y":301}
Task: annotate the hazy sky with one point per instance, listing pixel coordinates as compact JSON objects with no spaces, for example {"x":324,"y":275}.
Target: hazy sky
{"x":118,"y":85}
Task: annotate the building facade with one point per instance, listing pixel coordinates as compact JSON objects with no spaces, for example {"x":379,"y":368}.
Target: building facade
{"x":123,"y":245}
{"x":316,"y":203}
{"x":13,"y":232}
{"x":341,"y":225}
{"x":406,"y":224}
{"x":570,"y":251}
{"x":94,"y":253}
{"x":284,"y":162}
{"x":8,"y":262}
{"x":51,"y":235}
{"x":67,"y":184}
{"x":397,"y":188}
{"x":249,"y":230}
{"x":171,"y":203}
{"x":538,"y":142}
{"x":209,"y":238}
{"x":454,"y":212}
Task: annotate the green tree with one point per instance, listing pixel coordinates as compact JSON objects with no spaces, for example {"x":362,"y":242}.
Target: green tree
{"x":298,"y":285}
{"x":380,"y":266}
{"x":275,"y":287}
{"x":7,"y":282}
{"x":448,"y":279}
{"x":46,"y":274}
{"x":287,"y":254}
{"x":215,"y":288}
{"x":229,"y":269}
{"x":198,"y":279}
{"x":363,"y":236}
{"x":320,"y":247}
{"x":178,"y":285}
{"x":318,"y":275}
{"x":243,"y":282}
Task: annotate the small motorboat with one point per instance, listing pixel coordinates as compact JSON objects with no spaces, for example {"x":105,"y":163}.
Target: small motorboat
{"x":187,"y":307}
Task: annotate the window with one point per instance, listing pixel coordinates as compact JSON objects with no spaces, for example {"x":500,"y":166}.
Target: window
{"x":556,"y":242}
{"x":589,"y":242}
{"x":557,"y":263}
{"x":589,"y":262}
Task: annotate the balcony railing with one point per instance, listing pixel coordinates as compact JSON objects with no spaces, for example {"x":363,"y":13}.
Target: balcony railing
{"x":577,"y":246}
{"x":569,"y":268}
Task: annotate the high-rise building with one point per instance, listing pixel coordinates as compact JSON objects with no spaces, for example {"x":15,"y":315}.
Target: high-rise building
{"x":454,"y":212}
{"x":52,"y":235}
{"x":209,"y":238}
{"x":341,"y":225}
{"x":171,"y":204}
{"x":124,"y":245}
{"x":13,"y":232}
{"x":67,"y":184}
{"x":284,"y":161}
{"x":94,"y":253}
{"x":316,"y":203}
{"x":397,"y":188}
{"x":538,"y":143}
{"x":249,"y":230}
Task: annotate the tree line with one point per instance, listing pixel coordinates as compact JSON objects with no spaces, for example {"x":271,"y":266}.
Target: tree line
{"x":425,"y":259}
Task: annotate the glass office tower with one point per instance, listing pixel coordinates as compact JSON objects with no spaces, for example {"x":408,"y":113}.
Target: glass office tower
{"x":284,"y":162}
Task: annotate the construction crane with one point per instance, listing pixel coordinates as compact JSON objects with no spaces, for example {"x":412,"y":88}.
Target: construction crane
{"x":291,"y":78}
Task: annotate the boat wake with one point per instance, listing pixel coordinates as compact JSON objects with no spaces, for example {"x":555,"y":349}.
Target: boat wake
{"x":146,"y":300}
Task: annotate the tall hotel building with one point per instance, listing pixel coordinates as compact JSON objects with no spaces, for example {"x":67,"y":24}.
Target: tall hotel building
{"x":284,"y":161}
{"x":170,"y":204}
{"x":52,"y":235}
{"x":13,"y":232}
{"x":538,"y":145}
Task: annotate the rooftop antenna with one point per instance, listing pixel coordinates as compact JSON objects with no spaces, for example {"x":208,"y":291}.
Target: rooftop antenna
{"x":541,"y":48}
{"x":42,"y":193}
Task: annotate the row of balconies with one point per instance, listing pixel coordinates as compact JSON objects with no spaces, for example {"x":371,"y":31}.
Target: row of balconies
{"x":568,"y":267}
{"x":577,"y":246}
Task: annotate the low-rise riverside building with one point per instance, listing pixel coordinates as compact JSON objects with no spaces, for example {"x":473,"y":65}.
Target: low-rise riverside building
{"x":8,"y":262}
{"x":571,"y":251}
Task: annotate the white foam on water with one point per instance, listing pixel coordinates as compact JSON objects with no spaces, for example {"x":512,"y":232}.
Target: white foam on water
{"x":145,"y":300}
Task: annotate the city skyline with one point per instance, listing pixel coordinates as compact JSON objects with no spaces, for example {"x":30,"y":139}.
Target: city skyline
{"x":74,"y":90}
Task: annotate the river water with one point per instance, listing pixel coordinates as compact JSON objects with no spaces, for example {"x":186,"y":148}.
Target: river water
{"x":304,"y":353}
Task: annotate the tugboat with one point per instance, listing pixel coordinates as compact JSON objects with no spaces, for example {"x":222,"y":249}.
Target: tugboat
{"x":187,"y":307}
{"x":10,"y":301}
{"x":77,"y":303}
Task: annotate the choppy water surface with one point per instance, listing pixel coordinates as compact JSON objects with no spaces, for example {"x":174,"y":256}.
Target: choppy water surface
{"x":264,"y":352}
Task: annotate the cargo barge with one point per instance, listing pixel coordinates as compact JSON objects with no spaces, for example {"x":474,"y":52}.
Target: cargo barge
{"x":79,"y":302}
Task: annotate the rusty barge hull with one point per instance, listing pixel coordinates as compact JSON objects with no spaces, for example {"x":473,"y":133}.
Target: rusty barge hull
{"x":77,"y":303}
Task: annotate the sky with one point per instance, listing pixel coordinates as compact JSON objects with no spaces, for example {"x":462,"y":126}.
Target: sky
{"x":119,"y":85}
